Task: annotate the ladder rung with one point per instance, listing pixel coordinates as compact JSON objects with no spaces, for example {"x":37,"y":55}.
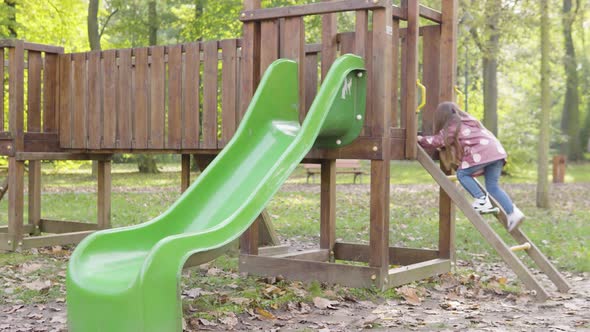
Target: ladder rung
{"x":524,"y":246}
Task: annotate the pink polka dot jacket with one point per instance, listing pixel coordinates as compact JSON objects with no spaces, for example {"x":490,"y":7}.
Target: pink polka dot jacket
{"x":480,"y":146}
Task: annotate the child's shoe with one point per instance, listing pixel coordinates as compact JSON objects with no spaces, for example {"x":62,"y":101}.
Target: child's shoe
{"x":515,"y":219}
{"x":483,"y":205}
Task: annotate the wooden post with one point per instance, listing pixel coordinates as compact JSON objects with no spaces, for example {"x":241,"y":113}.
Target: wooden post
{"x":104,"y":194}
{"x":250,"y":67}
{"x":16,"y":173}
{"x":35,"y":194}
{"x":559,"y":169}
{"x":411,"y":67}
{"x":430,"y":75}
{"x":448,"y":54}
{"x":328,"y":205}
{"x":329,"y":43}
{"x":380,"y":173}
{"x":185,"y":172}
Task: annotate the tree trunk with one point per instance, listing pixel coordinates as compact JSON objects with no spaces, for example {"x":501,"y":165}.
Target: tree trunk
{"x":93,"y":35}
{"x":11,"y":17}
{"x":570,"y":119}
{"x":153,"y":23}
{"x":147,"y":164}
{"x":545,"y":115}
{"x":490,"y":66}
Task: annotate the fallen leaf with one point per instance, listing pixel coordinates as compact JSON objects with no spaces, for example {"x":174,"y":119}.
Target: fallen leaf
{"x":410,"y":295}
{"x":265,"y":314}
{"x":38,"y":285}
{"x":230,"y":321}
{"x":240,"y":300}
{"x":206,"y":322}
{"x":322,"y":303}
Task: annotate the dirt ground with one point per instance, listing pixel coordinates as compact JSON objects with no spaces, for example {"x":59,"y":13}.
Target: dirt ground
{"x":476,"y":301}
{"x":451,"y":302}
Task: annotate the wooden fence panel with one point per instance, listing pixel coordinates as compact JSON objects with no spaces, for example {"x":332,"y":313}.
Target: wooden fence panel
{"x":141,"y":93}
{"x":174,"y":97}
{"x":229,"y":90}
{"x":65,"y":100}
{"x":79,"y":93}
{"x":190,"y":95}
{"x":109,"y":99}
{"x":124,"y":95}
{"x":34,"y":92}
{"x":210,"y":95}
{"x":50,"y":85}
{"x":157,"y":98}
{"x":94,"y":114}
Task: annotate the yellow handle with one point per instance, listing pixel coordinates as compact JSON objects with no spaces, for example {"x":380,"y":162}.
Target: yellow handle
{"x":423,"y":97}
{"x":460,"y":98}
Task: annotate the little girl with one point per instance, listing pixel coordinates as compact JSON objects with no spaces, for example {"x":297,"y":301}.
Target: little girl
{"x":473,"y":151}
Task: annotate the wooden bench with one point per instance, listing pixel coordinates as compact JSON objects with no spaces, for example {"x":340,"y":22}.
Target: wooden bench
{"x":343,"y":166}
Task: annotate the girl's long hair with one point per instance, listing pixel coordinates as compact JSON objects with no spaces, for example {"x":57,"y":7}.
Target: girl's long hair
{"x":448,"y":115}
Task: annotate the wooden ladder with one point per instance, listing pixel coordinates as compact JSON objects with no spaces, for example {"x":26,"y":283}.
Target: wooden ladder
{"x":492,"y":237}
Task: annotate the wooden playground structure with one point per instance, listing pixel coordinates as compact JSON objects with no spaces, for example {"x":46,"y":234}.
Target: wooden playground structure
{"x":87,"y":106}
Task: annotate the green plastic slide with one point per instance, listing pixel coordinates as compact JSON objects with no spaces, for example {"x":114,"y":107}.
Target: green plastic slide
{"x":127,"y":279}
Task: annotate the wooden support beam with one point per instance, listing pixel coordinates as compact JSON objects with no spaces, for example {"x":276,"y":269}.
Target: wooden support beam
{"x":320,"y":8}
{"x":34,"y":194}
{"x":104,"y":194}
{"x":447,"y":77}
{"x":60,"y":156}
{"x":61,"y":226}
{"x":16,"y":173}
{"x":307,"y":271}
{"x":397,"y":255}
{"x":419,"y":271}
{"x":317,"y":255}
{"x":328,"y":204}
{"x":185,"y":172}
{"x":411,"y":77}
{"x":54,"y":240}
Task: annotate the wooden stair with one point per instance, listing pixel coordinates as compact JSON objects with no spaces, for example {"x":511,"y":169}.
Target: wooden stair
{"x":492,"y":237}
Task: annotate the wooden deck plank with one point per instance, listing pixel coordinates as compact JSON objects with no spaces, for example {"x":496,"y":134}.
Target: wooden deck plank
{"x":50,"y":94}
{"x":35,"y":65}
{"x":229,"y":90}
{"x":94,"y":114}
{"x":191,"y":96}
{"x":174,"y":97}
{"x":124,"y":105}
{"x":109,"y":88}
{"x":157,"y":98}
{"x":210,"y":82}
{"x":65,"y":98}
{"x":80,"y":103}
{"x":141,"y":96}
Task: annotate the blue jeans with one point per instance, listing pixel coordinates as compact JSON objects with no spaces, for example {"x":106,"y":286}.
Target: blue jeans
{"x":492,"y":172}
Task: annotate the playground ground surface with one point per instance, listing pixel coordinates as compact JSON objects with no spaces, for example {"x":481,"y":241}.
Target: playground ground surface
{"x":480,"y":293}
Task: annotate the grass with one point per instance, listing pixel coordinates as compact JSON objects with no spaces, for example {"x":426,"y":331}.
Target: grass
{"x":561,"y":233}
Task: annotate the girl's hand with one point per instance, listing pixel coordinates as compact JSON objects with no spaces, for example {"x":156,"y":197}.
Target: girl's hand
{"x":419,"y":138}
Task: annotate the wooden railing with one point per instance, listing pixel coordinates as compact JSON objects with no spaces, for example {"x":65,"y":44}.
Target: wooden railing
{"x":186,"y":98}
